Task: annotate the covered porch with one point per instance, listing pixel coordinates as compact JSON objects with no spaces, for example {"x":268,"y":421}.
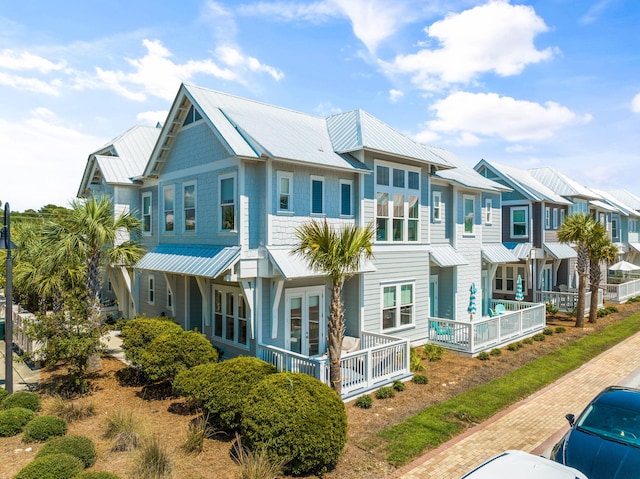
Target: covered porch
{"x":376,"y":361}
{"x":518,"y":320}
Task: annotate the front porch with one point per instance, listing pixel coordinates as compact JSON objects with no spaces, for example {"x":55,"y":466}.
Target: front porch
{"x":566,"y":301}
{"x":519,"y":320}
{"x":380,"y":360}
{"x":619,"y":291}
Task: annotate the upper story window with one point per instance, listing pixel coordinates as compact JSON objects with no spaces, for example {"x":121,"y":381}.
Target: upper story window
{"x":579,"y":207}
{"x":397,"y":204}
{"x":193,"y":115}
{"x":189,"y":202}
{"x":146,"y":213}
{"x":317,"y":195}
{"x":519,"y":222}
{"x":614,"y":228}
{"x":547,"y":218}
{"x":346,"y":198}
{"x":488,"y":211}
{"x":555,"y":218}
{"x":285,"y":184}
{"x":227,"y":203}
{"x":562,"y":215}
{"x":436,"y":204}
{"x":168,"y":198}
{"x":469,"y":214}
{"x":397,"y":306}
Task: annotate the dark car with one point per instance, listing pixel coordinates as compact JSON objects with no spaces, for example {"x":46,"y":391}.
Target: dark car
{"x":604,"y":441}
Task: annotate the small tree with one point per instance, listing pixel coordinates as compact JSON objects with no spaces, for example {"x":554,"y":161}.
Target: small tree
{"x":600,"y":249}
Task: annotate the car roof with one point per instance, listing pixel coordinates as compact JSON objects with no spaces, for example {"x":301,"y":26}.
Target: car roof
{"x":520,"y":464}
{"x":627,"y":398}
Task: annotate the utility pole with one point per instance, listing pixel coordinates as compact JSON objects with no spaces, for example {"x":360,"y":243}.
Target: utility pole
{"x":5,"y":243}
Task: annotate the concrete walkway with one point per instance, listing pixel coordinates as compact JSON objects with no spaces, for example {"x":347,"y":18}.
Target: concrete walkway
{"x":535,"y":424}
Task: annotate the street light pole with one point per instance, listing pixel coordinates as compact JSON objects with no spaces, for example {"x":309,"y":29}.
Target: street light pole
{"x":8,"y":328}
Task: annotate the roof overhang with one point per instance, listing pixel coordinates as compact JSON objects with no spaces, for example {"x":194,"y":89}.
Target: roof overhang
{"x":205,"y":261}
{"x":498,"y":253}
{"x":293,"y":267}
{"x":635,"y":246}
{"x":520,"y":250}
{"x":445,"y":256}
{"x":560,"y":250}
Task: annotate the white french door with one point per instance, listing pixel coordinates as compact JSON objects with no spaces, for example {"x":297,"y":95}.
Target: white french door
{"x":305,"y":323}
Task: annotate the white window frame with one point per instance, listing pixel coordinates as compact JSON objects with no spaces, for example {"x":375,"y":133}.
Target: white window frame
{"x":436,"y":203}
{"x":507,"y":274}
{"x":234,"y":203}
{"x":147,"y":217}
{"x":614,"y":227}
{"x":185,"y":185}
{"x":488,"y":214}
{"x":547,"y":217}
{"x":555,"y":218}
{"x":348,"y":183}
{"x":312,"y":180}
{"x":169,"y":298}
{"x":398,"y":306}
{"x":465,"y":199}
{"x":526,"y":221}
{"x":151,"y":289}
{"x":562,"y":216}
{"x":223,"y":314}
{"x":396,"y":215}
{"x":288,"y":176}
{"x":166,"y":189}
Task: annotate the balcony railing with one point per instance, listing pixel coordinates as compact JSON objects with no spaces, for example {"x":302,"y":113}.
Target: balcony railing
{"x":380,"y":360}
{"x":519,"y":321}
{"x":566,"y":301}
{"x":621,"y":292}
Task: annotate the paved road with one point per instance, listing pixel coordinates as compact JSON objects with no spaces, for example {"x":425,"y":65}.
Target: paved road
{"x":534,"y":424}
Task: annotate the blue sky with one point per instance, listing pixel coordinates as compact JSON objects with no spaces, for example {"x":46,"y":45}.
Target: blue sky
{"x":531,"y":84}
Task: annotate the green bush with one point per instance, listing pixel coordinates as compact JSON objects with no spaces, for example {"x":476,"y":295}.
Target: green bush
{"x":295,"y":418}
{"x":96,"y":475}
{"x":137,"y":333}
{"x":483,"y":356}
{"x":432,"y":352}
{"x":3,"y":394}
{"x":420,"y":379}
{"x":551,"y":309}
{"x":515,"y":346}
{"x":25,"y":399}
{"x":79,"y":446}
{"x":364,"y":402}
{"x":41,"y":428}
{"x":607,"y":311}
{"x":168,"y":354}
{"x":496,"y":352}
{"x":385,"y":392}
{"x":560,"y":329}
{"x":223,"y":386}
{"x":538,"y":337}
{"x":527,"y":340}
{"x":13,"y":420}
{"x":415,"y":360}
{"x":52,"y":466}
{"x":398,"y":385}
{"x":548,"y":332}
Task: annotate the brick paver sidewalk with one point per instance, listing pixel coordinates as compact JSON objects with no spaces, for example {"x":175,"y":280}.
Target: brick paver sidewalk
{"x":534,"y":424}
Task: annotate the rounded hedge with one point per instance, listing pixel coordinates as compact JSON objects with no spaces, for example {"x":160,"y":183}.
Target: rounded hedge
{"x":137,"y":333}
{"x":79,"y":446}
{"x":52,"y":466}
{"x":168,"y":354}
{"x":13,"y":420}
{"x":42,"y":428}
{"x":3,"y":394}
{"x":193,"y":383}
{"x":96,"y":475}
{"x":295,"y":418}
{"x":25,"y":399}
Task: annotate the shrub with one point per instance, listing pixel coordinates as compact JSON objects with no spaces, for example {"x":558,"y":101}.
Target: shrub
{"x":515,"y":346}
{"x":42,"y":428}
{"x":635,"y":299}
{"x":71,"y":411}
{"x":398,"y":385}
{"x":538,"y":337}
{"x":13,"y":420}
{"x":168,"y":354}
{"x":79,"y":446}
{"x":496,"y":352}
{"x":364,"y":402}
{"x":432,"y":352}
{"x":154,"y":461}
{"x":295,"y":418}
{"x":51,"y":466}
{"x":3,"y":394}
{"x":527,"y":340}
{"x":137,"y":333}
{"x":123,"y":426}
{"x":25,"y":399}
{"x":197,"y":431}
{"x":420,"y":379}
{"x":415,"y":360}
{"x":560,"y":329}
{"x":483,"y":356}
{"x":385,"y":392}
{"x":96,"y":475}
{"x":548,"y":332}
{"x":221,"y":387}
{"x":551,"y":309}
{"x":255,"y":465}
{"x":607,"y":311}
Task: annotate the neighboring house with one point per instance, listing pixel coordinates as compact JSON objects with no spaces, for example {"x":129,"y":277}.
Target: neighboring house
{"x":631,"y":233}
{"x":624,"y":227}
{"x":110,"y":171}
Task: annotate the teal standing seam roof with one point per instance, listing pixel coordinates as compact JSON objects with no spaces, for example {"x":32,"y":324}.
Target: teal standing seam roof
{"x":199,"y":260}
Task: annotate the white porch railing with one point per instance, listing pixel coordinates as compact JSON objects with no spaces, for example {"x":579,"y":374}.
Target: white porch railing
{"x":380,"y":360}
{"x":619,"y":293}
{"x":566,"y":301}
{"x":471,"y":337}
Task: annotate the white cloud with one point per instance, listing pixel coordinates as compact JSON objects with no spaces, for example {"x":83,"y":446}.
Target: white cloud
{"x":473,"y":116}
{"x":594,"y":12}
{"x":13,"y":60}
{"x":31,"y":84}
{"x":327,"y":108}
{"x":47,"y":160}
{"x":495,"y":37}
{"x":395,"y":95}
{"x":635,"y":104}
{"x":314,"y":12}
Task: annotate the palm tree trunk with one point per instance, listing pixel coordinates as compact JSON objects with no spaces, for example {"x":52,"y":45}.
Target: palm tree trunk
{"x":595,"y":276}
{"x":336,"y":335}
{"x":93,"y":302}
{"x":582,"y":266}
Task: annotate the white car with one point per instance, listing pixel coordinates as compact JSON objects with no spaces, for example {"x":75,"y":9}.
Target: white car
{"x":522,"y":465}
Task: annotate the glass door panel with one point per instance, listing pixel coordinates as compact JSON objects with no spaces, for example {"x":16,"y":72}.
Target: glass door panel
{"x":295,"y":321}
{"x":314,"y":325}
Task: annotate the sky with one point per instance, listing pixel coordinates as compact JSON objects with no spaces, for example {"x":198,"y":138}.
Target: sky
{"x":526,"y":83}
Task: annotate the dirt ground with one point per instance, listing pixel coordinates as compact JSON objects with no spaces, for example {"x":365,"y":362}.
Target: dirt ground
{"x":168,"y":418}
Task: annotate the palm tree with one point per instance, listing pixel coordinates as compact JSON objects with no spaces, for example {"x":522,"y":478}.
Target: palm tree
{"x":91,"y":230}
{"x":338,"y":254}
{"x":600,"y":249}
{"x":575,"y":229}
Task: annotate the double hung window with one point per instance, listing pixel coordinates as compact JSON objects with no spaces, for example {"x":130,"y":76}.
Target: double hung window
{"x":397,"y":203}
{"x":227,"y":203}
{"x":189,"y":203}
{"x":146,"y":213}
{"x":397,"y":306}
{"x":168,"y":194}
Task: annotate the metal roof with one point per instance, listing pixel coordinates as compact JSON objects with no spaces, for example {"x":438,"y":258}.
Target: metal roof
{"x":191,"y":260}
{"x":522,"y":181}
{"x":445,"y":255}
{"x":562,"y":184}
{"x":635,"y":246}
{"x":463,"y":174}
{"x":520,"y":250}
{"x":620,"y":205}
{"x":560,"y":250}
{"x":292,"y":266}
{"x":498,"y":253}
{"x":356,"y":129}
{"x":627,"y":198}
{"x":115,"y":170}
{"x":602,"y":205}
